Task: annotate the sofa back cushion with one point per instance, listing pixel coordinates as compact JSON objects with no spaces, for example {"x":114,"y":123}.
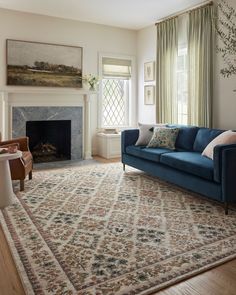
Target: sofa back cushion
{"x":204,"y":137}
{"x":186,"y":136}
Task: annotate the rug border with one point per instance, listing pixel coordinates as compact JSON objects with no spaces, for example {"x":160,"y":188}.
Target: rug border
{"x":27,"y":286}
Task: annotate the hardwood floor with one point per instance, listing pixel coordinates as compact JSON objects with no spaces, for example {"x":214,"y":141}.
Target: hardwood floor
{"x":217,"y":281}
{"x":10,"y":283}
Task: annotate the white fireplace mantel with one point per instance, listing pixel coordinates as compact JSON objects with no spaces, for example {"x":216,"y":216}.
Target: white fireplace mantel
{"x":22,"y":96}
{"x":43,"y":90}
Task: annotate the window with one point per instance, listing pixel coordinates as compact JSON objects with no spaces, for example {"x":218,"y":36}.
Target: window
{"x":182,"y":85}
{"x":115,"y":92}
{"x":184,"y":63}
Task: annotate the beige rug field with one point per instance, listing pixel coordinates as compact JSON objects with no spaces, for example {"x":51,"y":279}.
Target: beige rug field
{"x":97,"y":230}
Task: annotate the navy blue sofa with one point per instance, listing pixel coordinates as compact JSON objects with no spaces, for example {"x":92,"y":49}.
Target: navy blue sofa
{"x":185,"y":166}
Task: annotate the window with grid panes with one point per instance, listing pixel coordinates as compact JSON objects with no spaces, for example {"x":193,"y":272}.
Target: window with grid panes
{"x":116,"y":85}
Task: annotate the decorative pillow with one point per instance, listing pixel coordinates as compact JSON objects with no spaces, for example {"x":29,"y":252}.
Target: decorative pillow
{"x":146,"y":132}
{"x":164,"y":138}
{"x":227,"y":137}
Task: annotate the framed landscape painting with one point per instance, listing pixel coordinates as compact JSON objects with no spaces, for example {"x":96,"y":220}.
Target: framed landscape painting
{"x":43,"y":64}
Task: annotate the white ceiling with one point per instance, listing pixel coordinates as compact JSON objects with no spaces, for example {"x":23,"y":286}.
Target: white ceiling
{"x":132,"y":14}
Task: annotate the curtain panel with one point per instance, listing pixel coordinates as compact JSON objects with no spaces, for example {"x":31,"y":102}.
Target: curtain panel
{"x":200,"y":53}
{"x":166,"y":60}
{"x":200,"y":58}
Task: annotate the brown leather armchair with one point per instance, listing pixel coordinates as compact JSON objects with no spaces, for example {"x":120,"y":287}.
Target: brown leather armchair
{"x":23,"y":166}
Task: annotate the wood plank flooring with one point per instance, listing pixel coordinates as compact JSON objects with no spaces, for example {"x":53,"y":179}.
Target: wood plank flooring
{"x":220,"y":280}
{"x":217,"y":281}
{"x":10,"y":283}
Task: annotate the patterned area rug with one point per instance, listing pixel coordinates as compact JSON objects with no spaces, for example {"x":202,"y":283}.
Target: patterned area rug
{"x":97,"y":230}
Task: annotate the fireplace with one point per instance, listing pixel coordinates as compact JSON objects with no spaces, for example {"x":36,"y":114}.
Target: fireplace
{"x":23,"y":114}
{"x":50,"y":140}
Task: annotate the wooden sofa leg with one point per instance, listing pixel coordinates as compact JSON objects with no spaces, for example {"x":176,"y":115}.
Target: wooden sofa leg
{"x":226,"y":208}
{"x":30,"y":175}
{"x":123,"y":167}
{"x":22,"y":185}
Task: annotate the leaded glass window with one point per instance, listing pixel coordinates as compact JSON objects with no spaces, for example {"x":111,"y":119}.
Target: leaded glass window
{"x":116,"y":85}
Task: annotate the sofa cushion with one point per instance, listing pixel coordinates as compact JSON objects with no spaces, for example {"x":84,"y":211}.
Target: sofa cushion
{"x":204,"y":137}
{"x":190,"y":162}
{"x":227,"y":137}
{"x":146,"y":132}
{"x":186,"y":137}
{"x":152,"y":154}
{"x":164,"y":138}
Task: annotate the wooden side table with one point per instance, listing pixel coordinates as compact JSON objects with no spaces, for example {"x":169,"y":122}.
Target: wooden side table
{"x":6,"y":192}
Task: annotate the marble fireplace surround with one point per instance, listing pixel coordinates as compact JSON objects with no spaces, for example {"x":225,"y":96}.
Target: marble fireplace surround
{"x":20,"y":115}
{"x":59,"y":98}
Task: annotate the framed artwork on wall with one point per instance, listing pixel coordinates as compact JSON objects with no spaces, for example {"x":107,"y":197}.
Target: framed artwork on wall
{"x":149,"y":94}
{"x":43,"y":64}
{"x":149,"y":71}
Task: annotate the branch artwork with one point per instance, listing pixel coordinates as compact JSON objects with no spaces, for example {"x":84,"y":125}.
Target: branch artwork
{"x":226,"y":30}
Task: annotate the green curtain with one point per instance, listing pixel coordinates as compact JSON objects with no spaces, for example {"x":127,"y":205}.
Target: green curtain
{"x":200,"y":56}
{"x":166,"y":79}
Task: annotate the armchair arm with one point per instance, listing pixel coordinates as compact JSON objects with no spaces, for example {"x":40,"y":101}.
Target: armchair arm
{"x":128,"y":137}
{"x":10,"y":144}
{"x":23,"y":143}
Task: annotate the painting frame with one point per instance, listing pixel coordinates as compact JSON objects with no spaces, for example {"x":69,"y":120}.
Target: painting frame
{"x":149,"y":71}
{"x":149,"y":94}
{"x":39,"y":64}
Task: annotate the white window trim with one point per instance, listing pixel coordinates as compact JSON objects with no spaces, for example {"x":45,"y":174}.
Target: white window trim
{"x":132,"y":108}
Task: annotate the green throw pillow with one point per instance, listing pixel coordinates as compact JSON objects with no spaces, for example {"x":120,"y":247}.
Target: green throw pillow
{"x":164,"y":138}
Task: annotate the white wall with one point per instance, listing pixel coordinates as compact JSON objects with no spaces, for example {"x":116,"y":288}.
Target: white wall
{"x":93,"y":38}
{"x":146,"y":46}
{"x":224,"y":108}
{"x":224,"y":99}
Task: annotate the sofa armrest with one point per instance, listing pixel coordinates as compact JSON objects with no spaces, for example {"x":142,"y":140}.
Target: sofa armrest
{"x":23,"y":143}
{"x":225,"y":169}
{"x":228,"y":174}
{"x":128,"y":137}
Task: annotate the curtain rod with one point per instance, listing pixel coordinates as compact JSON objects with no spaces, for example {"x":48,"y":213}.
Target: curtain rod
{"x":184,"y":11}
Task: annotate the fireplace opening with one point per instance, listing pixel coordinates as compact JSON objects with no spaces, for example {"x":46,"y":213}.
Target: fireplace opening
{"x":49,"y":141}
